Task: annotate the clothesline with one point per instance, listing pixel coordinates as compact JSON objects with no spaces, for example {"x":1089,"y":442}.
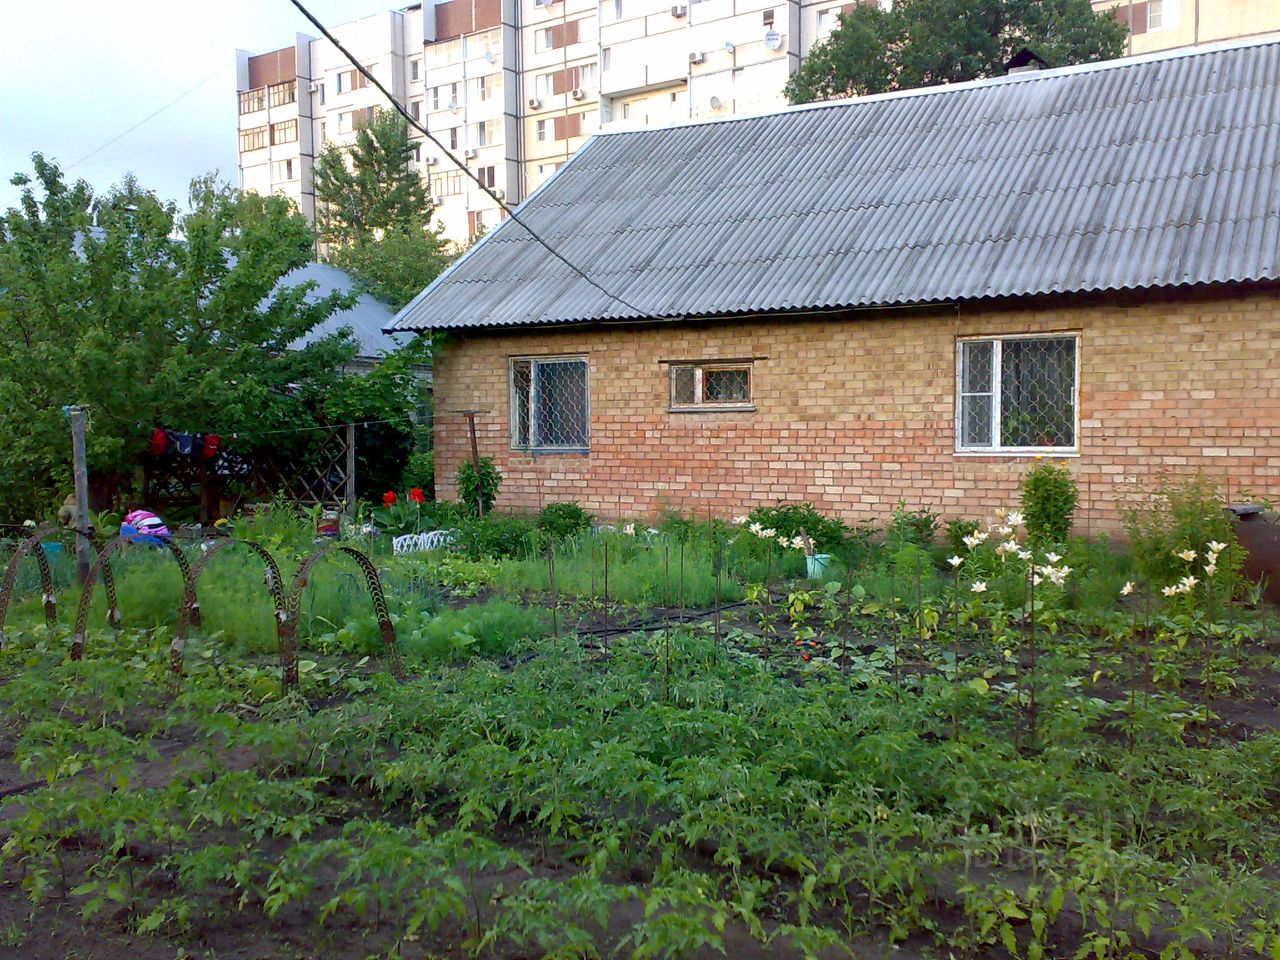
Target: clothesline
{"x":270,"y":433}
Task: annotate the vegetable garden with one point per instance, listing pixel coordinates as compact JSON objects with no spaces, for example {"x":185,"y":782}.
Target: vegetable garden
{"x":989,"y":740}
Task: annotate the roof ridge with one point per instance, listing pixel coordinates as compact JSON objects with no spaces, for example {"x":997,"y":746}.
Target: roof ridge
{"x":1029,"y":76}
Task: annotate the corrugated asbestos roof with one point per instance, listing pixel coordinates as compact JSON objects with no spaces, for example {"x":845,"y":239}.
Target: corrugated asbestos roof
{"x":366,"y":319}
{"x":1153,"y":172}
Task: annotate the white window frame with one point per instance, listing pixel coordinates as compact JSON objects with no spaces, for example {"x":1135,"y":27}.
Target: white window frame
{"x":534,"y":362}
{"x":540,"y":131}
{"x":995,"y":449}
{"x":699,"y":398}
{"x":415,"y":68}
{"x":542,"y":42}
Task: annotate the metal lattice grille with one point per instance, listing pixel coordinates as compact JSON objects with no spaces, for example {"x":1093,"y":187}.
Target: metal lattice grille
{"x":1017,"y":393}
{"x":549,"y":404}
{"x":694,"y":386}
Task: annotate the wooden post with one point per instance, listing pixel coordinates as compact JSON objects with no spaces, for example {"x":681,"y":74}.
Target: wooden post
{"x":475,"y":455}
{"x":80,"y":466}
{"x":349,"y":493}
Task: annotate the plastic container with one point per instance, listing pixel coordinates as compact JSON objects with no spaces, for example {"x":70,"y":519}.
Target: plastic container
{"x":816,"y":565}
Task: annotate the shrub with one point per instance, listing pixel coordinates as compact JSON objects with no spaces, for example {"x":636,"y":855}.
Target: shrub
{"x":1183,"y":515}
{"x":488,"y":629}
{"x":420,"y":471}
{"x":1048,"y":502}
{"x":912,"y":526}
{"x":495,"y":535}
{"x":478,"y":485}
{"x":561,"y":520}
{"x":827,"y":533}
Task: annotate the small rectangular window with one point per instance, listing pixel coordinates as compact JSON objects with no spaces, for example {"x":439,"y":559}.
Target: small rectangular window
{"x":252,"y":101}
{"x":540,"y":131}
{"x":415,"y":69}
{"x":702,"y":385}
{"x":487,"y":176}
{"x":284,"y":93}
{"x":415,"y":109}
{"x":255,"y":138}
{"x":550,"y":404}
{"x":1016,"y":393}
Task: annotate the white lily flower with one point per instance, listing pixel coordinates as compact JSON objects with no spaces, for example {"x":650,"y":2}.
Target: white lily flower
{"x":755,"y":528}
{"x":1024,"y":554}
{"x":955,"y":561}
{"x":1002,"y":530}
{"x":1035,"y":580}
{"x":784,"y":541}
{"x":1210,"y":569}
{"x":1170,"y":591}
{"x":979,"y":586}
{"x":29,"y":524}
{"x":768,"y":533}
{"x":1014,"y":518}
{"x":798,"y":543}
{"x":1052,"y":557}
{"x":629,"y":529}
{"x":1127,"y":588}
{"x":1188,"y":583}
{"x":738,"y":521}
{"x":1215,"y":547}
{"x":1187,"y":555}
{"x":974,"y":539}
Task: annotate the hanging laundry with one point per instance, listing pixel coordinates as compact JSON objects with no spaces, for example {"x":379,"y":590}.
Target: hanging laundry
{"x":183,"y":443}
{"x":159,"y":442}
{"x":197,"y":446}
{"x":211,"y":444}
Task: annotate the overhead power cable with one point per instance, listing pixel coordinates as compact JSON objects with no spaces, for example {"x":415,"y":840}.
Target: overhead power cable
{"x":155,"y":113}
{"x":328,"y":35}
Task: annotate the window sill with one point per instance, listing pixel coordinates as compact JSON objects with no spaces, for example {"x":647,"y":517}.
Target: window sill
{"x":997,"y":452}
{"x":551,"y":451}
{"x":738,"y":408}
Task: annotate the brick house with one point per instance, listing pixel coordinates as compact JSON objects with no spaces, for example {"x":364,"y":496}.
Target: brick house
{"x":906,"y":296}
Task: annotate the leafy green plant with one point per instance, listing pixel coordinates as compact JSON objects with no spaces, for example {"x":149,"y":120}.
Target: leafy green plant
{"x":478,"y":485}
{"x":561,"y":520}
{"x":487,"y":629}
{"x":957,"y":530}
{"x":919,"y":527}
{"x":496,"y":536}
{"x":1183,"y":517}
{"x":788,"y":519}
{"x":1049,"y":499}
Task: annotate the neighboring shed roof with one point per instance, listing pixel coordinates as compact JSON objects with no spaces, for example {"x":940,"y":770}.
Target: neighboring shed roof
{"x":366,"y":319}
{"x":1148,"y":172}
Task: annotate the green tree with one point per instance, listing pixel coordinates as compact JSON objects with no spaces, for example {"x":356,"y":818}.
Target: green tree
{"x":371,"y":187}
{"x":920,"y":43}
{"x":154,"y":318}
{"x":396,"y":266}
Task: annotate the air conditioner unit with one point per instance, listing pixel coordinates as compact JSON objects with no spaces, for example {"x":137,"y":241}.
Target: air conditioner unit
{"x":579,"y":94}
{"x":497,"y":192}
{"x":437,"y":201}
{"x":535,"y":103}
{"x":314,"y":86}
{"x":452,"y":105}
{"x":431,"y":161}
{"x":470,"y":153}
{"x":697,"y":57}
{"x":680,"y":10}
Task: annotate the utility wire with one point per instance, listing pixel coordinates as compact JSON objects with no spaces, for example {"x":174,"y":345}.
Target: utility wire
{"x":155,"y":113}
{"x":328,"y":35}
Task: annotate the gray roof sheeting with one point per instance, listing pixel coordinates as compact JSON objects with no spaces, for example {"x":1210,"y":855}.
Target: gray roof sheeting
{"x":367,"y":318}
{"x":1149,"y":172}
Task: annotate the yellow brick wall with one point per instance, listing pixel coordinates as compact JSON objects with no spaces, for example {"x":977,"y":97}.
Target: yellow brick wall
{"x":854,"y":414}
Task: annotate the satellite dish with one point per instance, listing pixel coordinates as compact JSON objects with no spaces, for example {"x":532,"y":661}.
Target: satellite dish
{"x":773,"y":40}
{"x":728,"y":45}
{"x":715,"y":103}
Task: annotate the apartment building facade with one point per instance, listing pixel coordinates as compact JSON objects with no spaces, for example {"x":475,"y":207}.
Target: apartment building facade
{"x":514,"y":87}
{"x":1166,"y":24}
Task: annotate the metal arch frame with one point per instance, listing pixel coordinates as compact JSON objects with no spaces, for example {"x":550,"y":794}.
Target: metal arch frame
{"x":289,"y":625}
{"x":189,"y":613}
{"x":31,"y":545}
{"x":102,"y":562}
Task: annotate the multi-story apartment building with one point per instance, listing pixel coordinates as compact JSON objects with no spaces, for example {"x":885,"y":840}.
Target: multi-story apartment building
{"x":514,"y":87}
{"x":1164,"y":24}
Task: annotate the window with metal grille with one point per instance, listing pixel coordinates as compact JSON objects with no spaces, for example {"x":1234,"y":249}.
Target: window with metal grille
{"x":550,"y":403}
{"x":1017,"y":393}
{"x":701,"y":385}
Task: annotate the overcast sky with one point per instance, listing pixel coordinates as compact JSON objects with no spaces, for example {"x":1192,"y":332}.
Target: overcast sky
{"x":74,"y":74}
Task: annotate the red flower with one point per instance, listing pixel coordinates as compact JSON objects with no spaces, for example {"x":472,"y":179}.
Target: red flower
{"x":389,"y":498}
{"x":417,"y":496}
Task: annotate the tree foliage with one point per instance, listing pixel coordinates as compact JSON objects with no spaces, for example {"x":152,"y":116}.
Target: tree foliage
{"x":371,"y":187}
{"x":920,"y":43}
{"x":153,"y":318}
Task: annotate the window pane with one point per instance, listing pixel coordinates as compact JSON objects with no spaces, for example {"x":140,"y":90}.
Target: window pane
{"x":560,"y":404}
{"x":520,"y":386}
{"x":1037,"y":392}
{"x":682,"y":387}
{"x":726,"y":386}
{"x":975,"y":421}
{"x":976,"y":359}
